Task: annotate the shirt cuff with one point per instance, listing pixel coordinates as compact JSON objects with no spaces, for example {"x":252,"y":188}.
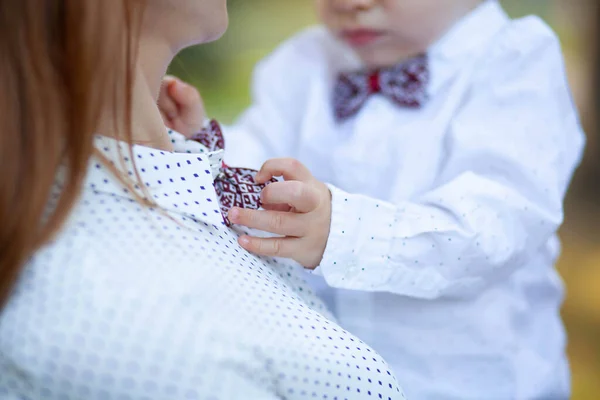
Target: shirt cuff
{"x":357,"y":255}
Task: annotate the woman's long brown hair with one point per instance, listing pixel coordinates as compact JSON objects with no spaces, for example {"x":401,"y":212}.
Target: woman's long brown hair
{"x":62,"y":63}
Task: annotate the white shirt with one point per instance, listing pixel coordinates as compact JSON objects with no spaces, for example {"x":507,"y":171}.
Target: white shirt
{"x":133,"y":303}
{"x":444,"y":218}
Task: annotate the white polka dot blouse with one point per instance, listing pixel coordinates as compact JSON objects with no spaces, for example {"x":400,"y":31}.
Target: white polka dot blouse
{"x":140,"y":303}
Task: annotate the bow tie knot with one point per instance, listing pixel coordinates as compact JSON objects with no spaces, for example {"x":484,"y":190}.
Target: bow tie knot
{"x":404,"y":84}
{"x":374,"y":85}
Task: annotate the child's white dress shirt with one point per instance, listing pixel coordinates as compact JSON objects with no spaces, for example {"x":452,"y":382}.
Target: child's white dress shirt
{"x":445,"y":217}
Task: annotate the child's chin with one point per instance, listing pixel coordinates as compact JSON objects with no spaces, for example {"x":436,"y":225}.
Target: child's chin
{"x":373,"y":59}
{"x":381,"y":58}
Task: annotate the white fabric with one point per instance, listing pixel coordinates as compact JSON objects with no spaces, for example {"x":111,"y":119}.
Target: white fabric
{"x":133,"y":303}
{"x":444,"y":218}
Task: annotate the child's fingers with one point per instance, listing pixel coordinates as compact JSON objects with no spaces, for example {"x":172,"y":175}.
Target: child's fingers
{"x":299,"y":195}
{"x":169,"y":79}
{"x":289,"y":168}
{"x":167,"y":105}
{"x":167,"y":82}
{"x":183,"y":93}
{"x":280,"y":223}
{"x":277,"y":207}
{"x":167,"y":121}
{"x":190,"y":107}
{"x":271,"y":247}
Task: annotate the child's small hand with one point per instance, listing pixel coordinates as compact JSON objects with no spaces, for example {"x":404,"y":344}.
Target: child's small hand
{"x":181,"y":106}
{"x":298,"y":209}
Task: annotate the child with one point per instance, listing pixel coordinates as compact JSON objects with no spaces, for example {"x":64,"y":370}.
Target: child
{"x":448,"y":137}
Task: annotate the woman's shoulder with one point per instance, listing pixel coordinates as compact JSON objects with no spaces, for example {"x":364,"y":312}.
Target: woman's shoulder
{"x":133,"y":294}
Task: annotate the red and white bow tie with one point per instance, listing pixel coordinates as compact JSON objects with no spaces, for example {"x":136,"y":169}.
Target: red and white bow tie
{"x":405,"y":84}
{"x":235,"y":187}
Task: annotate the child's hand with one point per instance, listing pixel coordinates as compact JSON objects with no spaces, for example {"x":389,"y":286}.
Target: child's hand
{"x":298,"y":209}
{"x":181,"y":106}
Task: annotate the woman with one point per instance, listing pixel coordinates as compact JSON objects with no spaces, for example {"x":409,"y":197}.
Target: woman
{"x":118,"y":279}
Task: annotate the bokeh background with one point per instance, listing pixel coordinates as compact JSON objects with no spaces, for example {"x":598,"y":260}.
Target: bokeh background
{"x":222,"y":72}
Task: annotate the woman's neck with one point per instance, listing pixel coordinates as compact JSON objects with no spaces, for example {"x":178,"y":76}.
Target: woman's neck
{"x":147,"y":125}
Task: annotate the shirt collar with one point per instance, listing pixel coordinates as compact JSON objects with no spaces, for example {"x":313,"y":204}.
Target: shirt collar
{"x":177,"y":182}
{"x":472,"y":31}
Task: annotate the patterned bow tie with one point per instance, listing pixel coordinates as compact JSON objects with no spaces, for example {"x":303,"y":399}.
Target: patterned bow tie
{"x":235,"y":187}
{"x":405,"y":84}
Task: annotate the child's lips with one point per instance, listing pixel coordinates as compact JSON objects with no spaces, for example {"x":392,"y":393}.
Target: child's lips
{"x":360,"y":37}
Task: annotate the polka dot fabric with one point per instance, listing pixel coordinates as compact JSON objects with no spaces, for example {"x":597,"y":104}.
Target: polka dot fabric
{"x":138,"y":303}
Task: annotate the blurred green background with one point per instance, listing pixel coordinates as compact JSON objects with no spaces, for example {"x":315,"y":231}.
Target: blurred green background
{"x":222,"y":71}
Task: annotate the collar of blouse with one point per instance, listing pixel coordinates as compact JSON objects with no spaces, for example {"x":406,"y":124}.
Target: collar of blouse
{"x":177,"y":182}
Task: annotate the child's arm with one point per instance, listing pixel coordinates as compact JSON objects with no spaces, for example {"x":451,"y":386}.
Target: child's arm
{"x":512,"y":150}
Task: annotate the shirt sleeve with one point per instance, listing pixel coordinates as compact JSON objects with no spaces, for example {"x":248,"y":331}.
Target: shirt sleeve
{"x":511,"y":152}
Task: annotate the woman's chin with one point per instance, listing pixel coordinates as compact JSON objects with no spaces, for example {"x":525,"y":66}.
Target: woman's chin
{"x":219,"y":33}
{"x":210,"y":35}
